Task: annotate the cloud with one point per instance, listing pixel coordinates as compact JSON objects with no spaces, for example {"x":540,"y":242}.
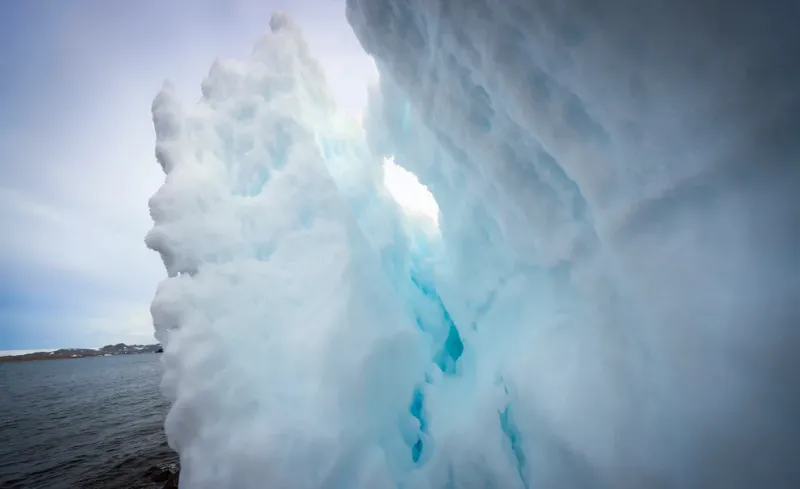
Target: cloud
{"x":108,"y":323}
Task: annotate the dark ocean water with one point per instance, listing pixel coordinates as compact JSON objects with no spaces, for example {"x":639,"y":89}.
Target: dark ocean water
{"x":82,"y":423}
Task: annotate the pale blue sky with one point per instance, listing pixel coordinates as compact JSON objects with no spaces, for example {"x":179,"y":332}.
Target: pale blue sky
{"x":76,"y":147}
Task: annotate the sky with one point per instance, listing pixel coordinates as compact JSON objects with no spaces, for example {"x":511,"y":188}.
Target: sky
{"x":406,"y":189}
{"x":77,"y":162}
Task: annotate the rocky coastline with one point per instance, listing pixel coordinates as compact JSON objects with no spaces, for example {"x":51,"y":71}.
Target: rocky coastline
{"x":170,"y":476}
{"x":70,"y":353}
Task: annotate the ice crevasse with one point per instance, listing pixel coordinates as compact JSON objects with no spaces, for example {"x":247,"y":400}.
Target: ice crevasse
{"x":606,"y":298}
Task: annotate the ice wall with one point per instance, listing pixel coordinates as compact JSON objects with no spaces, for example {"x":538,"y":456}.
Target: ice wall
{"x":607,"y":300}
{"x":289,"y":358}
{"x":617,"y":184}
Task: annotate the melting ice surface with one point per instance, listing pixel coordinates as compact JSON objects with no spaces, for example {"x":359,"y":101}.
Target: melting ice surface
{"x":601,"y":294}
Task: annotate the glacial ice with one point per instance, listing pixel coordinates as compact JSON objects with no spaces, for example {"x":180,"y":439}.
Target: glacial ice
{"x":606,"y":298}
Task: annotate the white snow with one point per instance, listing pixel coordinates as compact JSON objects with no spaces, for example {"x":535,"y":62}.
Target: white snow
{"x":555,"y":252}
{"x":284,"y":345}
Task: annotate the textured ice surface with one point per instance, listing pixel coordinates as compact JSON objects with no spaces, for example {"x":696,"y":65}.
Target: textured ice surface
{"x":607,"y":300}
{"x":286,"y":347}
{"x":616,"y":183}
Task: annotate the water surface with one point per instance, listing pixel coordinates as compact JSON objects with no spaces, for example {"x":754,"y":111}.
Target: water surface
{"x":82,"y":423}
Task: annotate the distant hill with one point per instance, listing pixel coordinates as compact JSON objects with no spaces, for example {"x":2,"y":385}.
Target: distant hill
{"x":66,"y":353}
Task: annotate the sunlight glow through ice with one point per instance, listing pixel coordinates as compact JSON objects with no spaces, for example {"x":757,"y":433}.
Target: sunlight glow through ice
{"x":404,"y":186}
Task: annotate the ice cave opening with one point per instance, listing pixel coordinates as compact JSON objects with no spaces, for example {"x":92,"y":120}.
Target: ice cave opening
{"x":412,"y":196}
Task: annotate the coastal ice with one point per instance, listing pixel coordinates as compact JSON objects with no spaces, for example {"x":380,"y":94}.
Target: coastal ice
{"x":598,"y":291}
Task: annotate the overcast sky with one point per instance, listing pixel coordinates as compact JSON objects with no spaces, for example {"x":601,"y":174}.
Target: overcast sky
{"x":76,"y":147}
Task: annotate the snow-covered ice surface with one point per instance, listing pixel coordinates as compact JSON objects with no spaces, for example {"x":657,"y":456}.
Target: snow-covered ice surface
{"x":606,"y":299}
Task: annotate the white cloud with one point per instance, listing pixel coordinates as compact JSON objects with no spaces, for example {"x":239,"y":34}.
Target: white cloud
{"x":73,"y":241}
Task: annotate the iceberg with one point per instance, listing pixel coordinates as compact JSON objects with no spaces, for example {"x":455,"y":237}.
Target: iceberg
{"x":598,"y":289}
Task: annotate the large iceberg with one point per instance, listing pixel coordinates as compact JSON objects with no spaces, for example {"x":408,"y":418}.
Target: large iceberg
{"x":606,"y":298}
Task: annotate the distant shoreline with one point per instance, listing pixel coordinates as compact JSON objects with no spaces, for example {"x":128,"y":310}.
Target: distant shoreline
{"x":70,"y":353}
